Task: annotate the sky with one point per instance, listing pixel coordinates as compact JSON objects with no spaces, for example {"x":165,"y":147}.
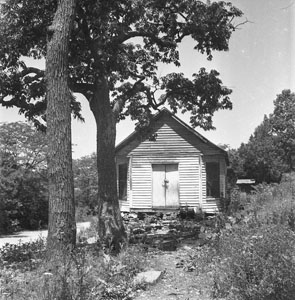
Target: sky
{"x":260,"y":63}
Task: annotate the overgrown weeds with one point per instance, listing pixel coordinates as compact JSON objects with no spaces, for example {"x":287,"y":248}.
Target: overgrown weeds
{"x":254,"y":250}
{"x":23,"y":255}
{"x":87,"y":274}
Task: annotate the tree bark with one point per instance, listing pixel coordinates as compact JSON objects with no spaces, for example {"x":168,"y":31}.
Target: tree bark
{"x":62,"y":227}
{"x":110,"y":226}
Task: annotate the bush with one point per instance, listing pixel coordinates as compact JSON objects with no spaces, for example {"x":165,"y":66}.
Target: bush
{"x":256,"y":264}
{"x":21,"y":255}
{"x":88,"y":274}
{"x":4,"y":222}
{"x":24,"y":201}
{"x":255,"y":254}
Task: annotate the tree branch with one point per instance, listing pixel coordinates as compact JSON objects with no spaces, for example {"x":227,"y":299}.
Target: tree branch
{"x":16,"y":101}
{"x":242,"y":23}
{"x":161,"y":42}
{"x":85,"y":89}
{"x":119,"y":104}
{"x":28,"y":70}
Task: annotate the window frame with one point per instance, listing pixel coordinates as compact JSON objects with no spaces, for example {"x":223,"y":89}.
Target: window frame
{"x":215,"y":190}
{"x":122,"y":182}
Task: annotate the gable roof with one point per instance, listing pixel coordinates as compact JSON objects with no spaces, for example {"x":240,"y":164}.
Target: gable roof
{"x":158,"y":116}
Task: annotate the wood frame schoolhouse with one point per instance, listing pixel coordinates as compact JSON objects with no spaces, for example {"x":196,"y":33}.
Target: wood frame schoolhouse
{"x":171,"y":167}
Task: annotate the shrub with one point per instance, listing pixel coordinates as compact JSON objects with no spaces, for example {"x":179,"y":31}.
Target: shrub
{"x":26,"y":255}
{"x":256,"y":264}
{"x":87,"y":274}
{"x":256,"y":255}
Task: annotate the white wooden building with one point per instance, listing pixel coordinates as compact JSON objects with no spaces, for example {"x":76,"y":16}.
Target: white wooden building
{"x":173,"y":167}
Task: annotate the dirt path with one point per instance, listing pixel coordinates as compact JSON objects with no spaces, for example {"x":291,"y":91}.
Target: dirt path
{"x":28,"y":236}
{"x":176,"y":283}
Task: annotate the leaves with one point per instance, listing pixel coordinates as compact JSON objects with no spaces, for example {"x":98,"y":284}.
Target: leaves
{"x":267,"y":155}
{"x":123,"y":41}
{"x":23,"y":182}
{"x":201,"y":96}
{"x":85,"y":179}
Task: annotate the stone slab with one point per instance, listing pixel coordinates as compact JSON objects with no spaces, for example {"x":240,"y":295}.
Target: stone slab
{"x":148,"y":277}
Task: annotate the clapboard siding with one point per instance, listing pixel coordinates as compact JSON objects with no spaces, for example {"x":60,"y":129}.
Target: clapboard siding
{"x":189,"y":185}
{"x":211,"y":205}
{"x":174,"y":143}
{"x":141,"y":182}
{"x":169,"y":138}
{"x":204,"y":183}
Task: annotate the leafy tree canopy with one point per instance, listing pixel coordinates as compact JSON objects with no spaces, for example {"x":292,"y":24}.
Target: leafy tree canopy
{"x":22,"y":145}
{"x":283,"y":124}
{"x":23,"y":180}
{"x":267,"y":155}
{"x":85,"y":178}
{"x":119,"y":44}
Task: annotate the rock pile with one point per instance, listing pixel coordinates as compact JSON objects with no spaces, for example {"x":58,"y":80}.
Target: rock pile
{"x":159,"y":230}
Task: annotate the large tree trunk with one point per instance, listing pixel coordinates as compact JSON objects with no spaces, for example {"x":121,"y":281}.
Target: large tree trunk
{"x":62,"y":227}
{"x":110,"y":226}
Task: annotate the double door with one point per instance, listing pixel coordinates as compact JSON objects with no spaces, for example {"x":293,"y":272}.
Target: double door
{"x":165,"y":186}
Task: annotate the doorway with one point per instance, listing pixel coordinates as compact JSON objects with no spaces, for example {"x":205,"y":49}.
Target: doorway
{"x":165,"y":186}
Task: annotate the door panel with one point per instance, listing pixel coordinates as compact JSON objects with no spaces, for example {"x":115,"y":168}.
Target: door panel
{"x":158,"y":188}
{"x":165,"y":185}
{"x":172,"y":185}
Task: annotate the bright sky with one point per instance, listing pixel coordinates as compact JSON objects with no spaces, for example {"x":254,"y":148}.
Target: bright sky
{"x":258,"y":66}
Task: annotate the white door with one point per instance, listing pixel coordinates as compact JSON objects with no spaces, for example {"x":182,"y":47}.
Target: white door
{"x":165,"y":186}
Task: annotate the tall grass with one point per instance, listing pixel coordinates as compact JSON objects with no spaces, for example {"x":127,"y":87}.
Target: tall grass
{"x":87,"y":275}
{"x":256,"y":257}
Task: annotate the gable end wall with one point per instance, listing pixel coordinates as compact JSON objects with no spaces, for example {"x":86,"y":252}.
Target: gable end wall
{"x":174,"y":144}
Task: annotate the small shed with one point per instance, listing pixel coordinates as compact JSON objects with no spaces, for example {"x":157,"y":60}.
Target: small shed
{"x":246,"y":185}
{"x":172,"y":167}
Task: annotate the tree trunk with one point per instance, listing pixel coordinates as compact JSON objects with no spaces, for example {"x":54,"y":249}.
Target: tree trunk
{"x":62,"y":227}
{"x":110,"y":226}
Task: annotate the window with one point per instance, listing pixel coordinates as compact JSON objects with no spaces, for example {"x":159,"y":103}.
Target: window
{"x":123,"y":169}
{"x":213,"y":183}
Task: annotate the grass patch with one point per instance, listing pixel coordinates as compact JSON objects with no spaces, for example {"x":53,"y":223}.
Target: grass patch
{"x":254,"y":250}
{"x":87,"y":275}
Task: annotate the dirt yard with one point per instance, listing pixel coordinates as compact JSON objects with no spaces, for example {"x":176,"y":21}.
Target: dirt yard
{"x":177,"y":282}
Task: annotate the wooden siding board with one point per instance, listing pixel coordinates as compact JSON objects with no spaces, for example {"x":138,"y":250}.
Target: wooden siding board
{"x":173,"y":135}
{"x":142,"y":180}
{"x":170,"y":137}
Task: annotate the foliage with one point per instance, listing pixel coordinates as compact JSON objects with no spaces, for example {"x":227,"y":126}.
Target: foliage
{"x":85,"y":180}
{"x":236,"y":162}
{"x":267,"y":155}
{"x":24,"y":256}
{"x":103,"y":46}
{"x":283,"y":125}
{"x":23,"y":146}
{"x":255,"y":257}
{"x":23,"y":182}
{"x":84,"y":276}
{"x":259,"y":264}
{"x":263,"y":158}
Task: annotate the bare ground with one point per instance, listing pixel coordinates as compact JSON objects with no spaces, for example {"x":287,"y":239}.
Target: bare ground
{"x":176,"y":283}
